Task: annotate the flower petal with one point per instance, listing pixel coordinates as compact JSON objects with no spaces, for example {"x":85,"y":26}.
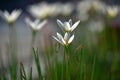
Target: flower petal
{"x":60,"y":24}
{"x":66,"y":36}
{"x":57,"y":40}
{"x":71,"y":39}
{"x":75,"y":25}
{"x":30,"y":23}
{"x":6,"y":15}
{"x":40,"y":25}
{"x":36,"y":21}
{"x":70,"y":22}
{"x":61,"y":38}
{"x":15,"y":14}
{"x":2,"y":15}
{"x":66,"y":26}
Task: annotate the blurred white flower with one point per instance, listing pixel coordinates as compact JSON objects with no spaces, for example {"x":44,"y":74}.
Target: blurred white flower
{"x":66,"y":9}
{"x":67,"y":26}
{"x":35,"y":25}
{"x":10,"y":17}
{"x":83,"y":8}
{"x":43,"y":10}
{"x":67,"y":39}
{"x":96,"y":26}
{"x":112,"y":11}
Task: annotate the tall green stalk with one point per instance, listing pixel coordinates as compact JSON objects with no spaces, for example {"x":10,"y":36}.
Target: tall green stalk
{"x":66,"y":61}
{"x":12,"y":53}
{"x":93,"y":68}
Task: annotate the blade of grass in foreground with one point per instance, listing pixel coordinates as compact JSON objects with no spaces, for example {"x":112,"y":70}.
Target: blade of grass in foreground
{"x":13,"y":69}
{"x":30,"y":75}
{"x":22,"y":72}
{"x":93,"y":67}
{"x":37,"y":65}
{"x":2,"y":76}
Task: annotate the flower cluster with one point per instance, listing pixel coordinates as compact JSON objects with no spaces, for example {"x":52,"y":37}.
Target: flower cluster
{"x":67,"y":27}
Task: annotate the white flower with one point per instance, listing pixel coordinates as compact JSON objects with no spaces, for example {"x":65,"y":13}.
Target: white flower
{"x":35,"y":25}
{"x":42,"y":10}
{"x":67,"y":39}
{"x":84,"y":6}
{"x":66,"y":9}
{"x":96,"y":26}
{"x":10,"y":17}
{"x":67,"y":26}
{"x":112,"y":11}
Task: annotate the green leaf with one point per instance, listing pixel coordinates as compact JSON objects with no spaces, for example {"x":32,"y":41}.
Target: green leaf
{"x":36,"y":57}
{"x":30,"y":75}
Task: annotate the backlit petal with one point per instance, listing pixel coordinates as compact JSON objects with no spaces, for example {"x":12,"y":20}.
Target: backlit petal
{"x":57,"y":40}
{"x":60,"y":24}
{"x":70,"y":22}
{"x":71,"y":39}
{"x":66,"y":36}
{"x":61,"y":38}
{"x":75,"y":25}
{"x":66,"y":26}
{"x":40,"y":25}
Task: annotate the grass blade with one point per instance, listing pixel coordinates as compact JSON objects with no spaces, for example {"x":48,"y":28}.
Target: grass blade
{"x":93,"y":67}
{"x":37,"y":65}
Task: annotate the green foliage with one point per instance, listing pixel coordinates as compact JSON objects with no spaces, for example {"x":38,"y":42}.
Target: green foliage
{"x":36,"y":57}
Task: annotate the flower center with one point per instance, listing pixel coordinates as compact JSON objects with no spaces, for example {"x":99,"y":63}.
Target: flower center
{"x":66,"y":41}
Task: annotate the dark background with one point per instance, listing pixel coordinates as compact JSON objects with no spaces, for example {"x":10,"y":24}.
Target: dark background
{"x":13,"y":4}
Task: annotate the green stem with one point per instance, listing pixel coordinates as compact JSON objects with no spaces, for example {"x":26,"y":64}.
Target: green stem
{"x":66,"y":54}
{"x":66,"y":60}
{"x":93,"y":67}
{"x":33,"y":38}
{"x":12,"y":53}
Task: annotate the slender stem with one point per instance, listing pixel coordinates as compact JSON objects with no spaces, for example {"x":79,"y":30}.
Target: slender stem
{"x":62,"y":74}
{"x":66,"y":60}
{"x":12,"y":53}
{"x":32,"y":45}
{"x":33,"y":38}
{"x":66,"y":54}
{"x":11,"y":42}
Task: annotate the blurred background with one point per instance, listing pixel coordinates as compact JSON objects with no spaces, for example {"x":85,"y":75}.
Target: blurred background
{"x":98,"y":31}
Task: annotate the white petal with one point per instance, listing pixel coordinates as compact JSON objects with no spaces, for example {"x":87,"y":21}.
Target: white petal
{"x":2,"y":15}
{"x":18,"y":13}
{"x":30,"y":23}
{"x":37,"y":21}
{"x":70,"y":22}
{"x":40,"y":25}
{"x":59,"y":35}
{"x":6,"y":14}
{"x":61,"y":38}
{"x":66,"y":26}
{"x":66,"y":36}
{"x":71,"y":39}
{"x":57,"y":40}
{"x":60,"y":24}
{"x":75,"y":25}
{"x":15,"y":14}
